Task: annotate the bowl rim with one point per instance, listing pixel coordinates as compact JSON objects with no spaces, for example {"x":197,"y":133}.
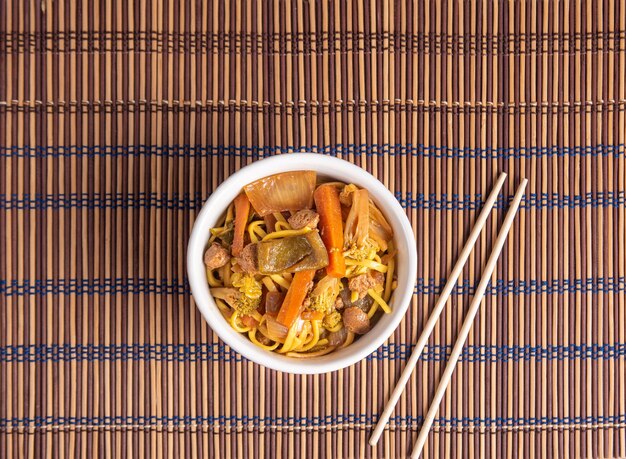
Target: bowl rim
{"x":332,"y":167}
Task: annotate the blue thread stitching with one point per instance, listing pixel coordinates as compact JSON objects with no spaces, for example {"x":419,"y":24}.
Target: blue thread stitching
{"x":32,"y":353}
{"x":256,"y":152}
{"x":530,"y":201}
{"x":110,"y":286}
{"x":186,"y":201}
{"x":304,"y":421}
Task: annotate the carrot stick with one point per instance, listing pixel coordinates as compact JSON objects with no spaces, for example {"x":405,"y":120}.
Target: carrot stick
{"x":291,"y":307}
{"x":331,"y":224}
{"x":242,"y":210}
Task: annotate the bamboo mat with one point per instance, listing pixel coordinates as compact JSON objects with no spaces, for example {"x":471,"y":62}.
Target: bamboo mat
{"x":117,"y":120}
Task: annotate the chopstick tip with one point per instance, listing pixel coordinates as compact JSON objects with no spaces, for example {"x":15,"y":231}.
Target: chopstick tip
{"x":500,"y":181}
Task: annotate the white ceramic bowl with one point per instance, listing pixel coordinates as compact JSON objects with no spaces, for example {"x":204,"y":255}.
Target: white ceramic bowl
{"x":333,"y":168}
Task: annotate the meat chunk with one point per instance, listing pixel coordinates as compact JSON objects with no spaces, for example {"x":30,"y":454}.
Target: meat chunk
{"x":363,"y":282}
{"x":302,"y":218}
{"x":356,"y":320}
{"x":339,"y":303}
{"x":216,"y":256}
{"x":379,"y":278}
{"x":248,"y":260}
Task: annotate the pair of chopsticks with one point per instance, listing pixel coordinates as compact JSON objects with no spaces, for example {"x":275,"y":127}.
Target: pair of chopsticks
{"x":443,"y":298}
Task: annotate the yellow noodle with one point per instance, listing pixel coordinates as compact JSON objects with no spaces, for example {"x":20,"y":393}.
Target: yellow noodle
{"x":304,"y":333}
{"x":301,"y":339}
{"x":252,"y":336}
{"x":269,"y":284}
{"x":354,"y":296}
{"x":296,"y":344}
{"x":372,"y":310}
{"x":253,"y":236}
{"x":263,"y":329}
{"x":260,"y":231}
{"x":255,"y":231}
{"x":289,"y":340}
{"x":316,"y":336}
{"x":282,"y":226}
{"x":256,"y":316}
{"x":322,"y":342}
{"x":227,"y":273}
{"x":379,"y":300}
{"x":280,"y":281}
{"x":229,"y":213}
{"x":287,"y":233}
{"x":213,"y":281}
{"x":279,"y":217}
{"x":389,"y":279}
{"x":215,"y":232}
{"x":371,"y":264}
{"x":235,"y":325}
{"x":307,"y":355}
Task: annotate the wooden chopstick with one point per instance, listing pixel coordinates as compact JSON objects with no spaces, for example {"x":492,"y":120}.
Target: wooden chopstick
{"x":467,"y":324}
{"x":434,"y":315}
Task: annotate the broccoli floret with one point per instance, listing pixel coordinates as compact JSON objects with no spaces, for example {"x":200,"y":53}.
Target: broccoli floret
{"x":247,"y":285}
{"x":362,"y":252}
{"x":324,"y":294}
{"x":320,"y":303}
{"x":331,"y":320}
{"x":236,"y":299}
{"x":250,"y":289}
{"x":245,"y":305}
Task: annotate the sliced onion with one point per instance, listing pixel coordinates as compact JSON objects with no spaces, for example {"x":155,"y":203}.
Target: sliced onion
{"x":357,"y":224}
{"x":290,"y":191}
{"x":380,"y":230}
{"x":275,"y":331}
{"x":273,"y":302}
{"x":380,"y":222}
